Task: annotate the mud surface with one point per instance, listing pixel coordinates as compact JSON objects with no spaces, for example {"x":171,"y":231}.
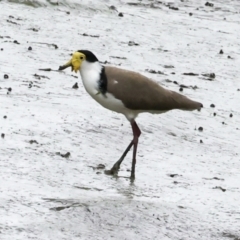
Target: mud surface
{"x":56,"y":141}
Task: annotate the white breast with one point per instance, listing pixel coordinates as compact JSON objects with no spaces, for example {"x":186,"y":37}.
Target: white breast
{"x":90,"y":74}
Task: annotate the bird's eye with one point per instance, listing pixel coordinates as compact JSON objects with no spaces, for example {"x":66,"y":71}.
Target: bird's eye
{"x":81,"y":57}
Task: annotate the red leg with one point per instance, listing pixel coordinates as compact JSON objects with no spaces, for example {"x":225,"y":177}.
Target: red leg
{"x":136,"y":134}
{"x":134,"y":143}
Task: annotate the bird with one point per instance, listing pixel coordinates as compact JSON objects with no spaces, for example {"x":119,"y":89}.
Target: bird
{"x":126,"y":92}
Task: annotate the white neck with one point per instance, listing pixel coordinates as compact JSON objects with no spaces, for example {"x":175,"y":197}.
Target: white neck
{"x":90,"y":74}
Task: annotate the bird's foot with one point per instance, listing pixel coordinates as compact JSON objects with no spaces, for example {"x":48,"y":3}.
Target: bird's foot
{"x":132,"y":177}
{"x":114,"y":170}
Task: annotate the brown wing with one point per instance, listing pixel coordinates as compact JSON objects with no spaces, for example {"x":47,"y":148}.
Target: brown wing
{"x":138,"y":92}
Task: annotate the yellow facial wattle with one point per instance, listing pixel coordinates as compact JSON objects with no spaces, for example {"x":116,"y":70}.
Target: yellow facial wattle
{"x":75,"y":62}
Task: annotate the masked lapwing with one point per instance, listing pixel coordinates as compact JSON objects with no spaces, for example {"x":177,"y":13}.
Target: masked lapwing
{"x":126,"y":92}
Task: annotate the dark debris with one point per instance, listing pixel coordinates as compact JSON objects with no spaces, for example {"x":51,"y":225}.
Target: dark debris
{"x":191,"y":74}
{"x":154,"y":71}
{"x":75,"y":86}
{"x":89,"y":35}
{"x":132,"y":43}
{"x":223,"y":189}
{"x":64,"y":155}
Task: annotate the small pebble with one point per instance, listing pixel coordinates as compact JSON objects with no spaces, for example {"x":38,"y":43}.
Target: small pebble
{"x":113,"y":8}
{"x":174,"y":8}
{"x":29,"y":48}
{"x":180,"y":89}
{"x":2,"y":135}
{"x":231,"y":115}
{"x":66,"y":155}
{"x":34,"y":29}
{"x":101,"y":166}
{"x":209,"y":4}
{"x":201,"y":141}
{"x":212,"y":105}
{"x":5,"y":76}
{"x":214,"y":114}
{"x":200,"y":129}
{"x":9,"y":89}
{"x":15,"y":41}
{"x":190,"y":14}
{"x":75,"y":86}
{"x":212,"y":75}
{"x":5,"y":117}
{"x":173,"y":175}
{"x":1,"y":49}
{"x":223,"y":123}
{"x":132,"y":43}
{"x":120,"y":14}
{"x":221,"y":51}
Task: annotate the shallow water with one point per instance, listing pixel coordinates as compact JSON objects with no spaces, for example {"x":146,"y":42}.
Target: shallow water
{"x":46,"y":196}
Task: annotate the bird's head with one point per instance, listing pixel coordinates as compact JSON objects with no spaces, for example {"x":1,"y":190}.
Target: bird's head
{"x":78,"y":58}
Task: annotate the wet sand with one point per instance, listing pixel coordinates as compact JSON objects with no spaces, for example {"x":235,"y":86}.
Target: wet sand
{"x":187,"y":172}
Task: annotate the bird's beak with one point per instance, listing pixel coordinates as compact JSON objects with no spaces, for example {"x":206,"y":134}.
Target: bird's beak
{"x":74,"y":63}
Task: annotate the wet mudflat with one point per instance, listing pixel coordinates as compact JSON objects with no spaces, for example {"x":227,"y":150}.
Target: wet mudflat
{"x":54,"y":136}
